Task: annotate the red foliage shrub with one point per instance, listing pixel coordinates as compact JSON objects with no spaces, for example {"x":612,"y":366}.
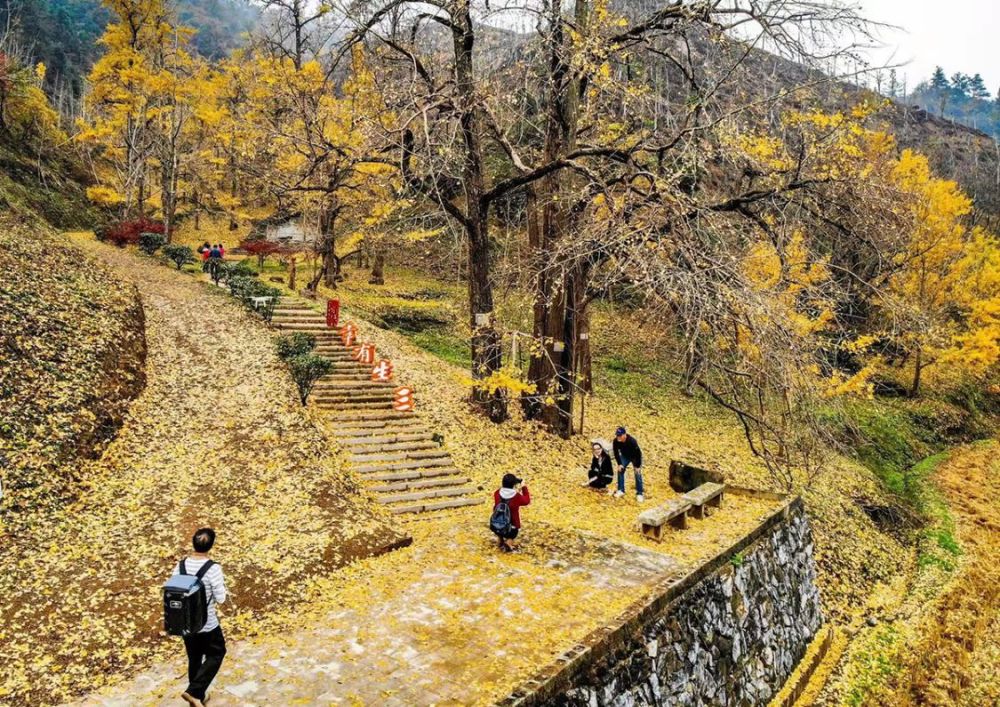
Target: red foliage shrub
{"x":261,"y":248}
{"x":127,"y":232}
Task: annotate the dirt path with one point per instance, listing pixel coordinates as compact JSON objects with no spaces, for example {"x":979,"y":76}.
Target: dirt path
{"x":217,"y":438}
{"x":957,"y":661}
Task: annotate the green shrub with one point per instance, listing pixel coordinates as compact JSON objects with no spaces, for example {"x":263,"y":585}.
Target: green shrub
{"x":101,"y":233}
{"x":149,"y":243}
{"x":306,"y":370}
{"x":297,"y":344}
{"x":235,"y":268}
{"x":245,"y":287}
{"x":180,"y":255}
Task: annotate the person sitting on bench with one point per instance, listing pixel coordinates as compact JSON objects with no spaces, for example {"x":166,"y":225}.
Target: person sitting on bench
{"x":601,"y":472}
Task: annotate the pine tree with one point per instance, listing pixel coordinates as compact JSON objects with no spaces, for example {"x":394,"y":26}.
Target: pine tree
{"x":940,"y":88}
{"x":938,"y":81}
{"x":977,"y":88}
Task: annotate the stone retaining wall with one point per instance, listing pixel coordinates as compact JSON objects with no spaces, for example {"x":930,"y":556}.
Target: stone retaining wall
{"x":729,"y":633}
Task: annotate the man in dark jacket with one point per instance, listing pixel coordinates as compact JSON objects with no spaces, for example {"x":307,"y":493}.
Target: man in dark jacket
{"x":515,"y":495}
{"x":627,"y":451}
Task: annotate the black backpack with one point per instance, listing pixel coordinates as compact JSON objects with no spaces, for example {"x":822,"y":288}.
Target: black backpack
{"x":185,"y":602}
{"x":500,"y":519}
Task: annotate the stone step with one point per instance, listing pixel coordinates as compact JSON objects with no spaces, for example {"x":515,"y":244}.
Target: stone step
{"x":292,"y":308}
{"x":343,"y":374}
{"x":375,"y":467}
{"x":378,"y":426}
{"x":366,"y":447}
{"x":305,"y":328}
{"x":341,"y":404}
{"x":283,"y":317}
{"x":344,"y":358}
{"x":417,"y":484}
{"x":398,"y":455}
{"x":424,"y":495}
{"x":349,"y":405}
{"x":412,"y":474}
{"x":348,"y":394}
{"x":369,"y":433}
{"x":415,"y":508}
{"x":333,"y":383}
{"x":386,"y":438}
{"x":351,"y":391}
{"x":387,"y":416}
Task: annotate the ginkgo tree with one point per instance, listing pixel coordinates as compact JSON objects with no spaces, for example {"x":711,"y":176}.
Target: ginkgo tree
{"x":140,"y":101}
{"x":304,"y":142}
{"x":945,"y":288}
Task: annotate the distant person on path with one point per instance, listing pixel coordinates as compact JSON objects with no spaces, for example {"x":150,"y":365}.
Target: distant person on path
{"x":507,"y":503}
{"x":222,"y":251}
{"x":216,"y":252}
{"x":207,"y":648}
{"x":601,"y":473}
{"x":627,"y":451}
{"x":206,"y":253}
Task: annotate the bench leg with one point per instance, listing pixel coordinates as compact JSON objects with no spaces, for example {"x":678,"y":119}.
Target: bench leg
{"x":717,"y":501}
{"x":680,"y":521}
{"x":698,"y":512}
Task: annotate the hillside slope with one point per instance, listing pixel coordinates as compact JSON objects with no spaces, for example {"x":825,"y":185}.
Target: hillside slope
{"x":63,"y":34}
{"x":217,"y":437}
{"x":71,"y":354}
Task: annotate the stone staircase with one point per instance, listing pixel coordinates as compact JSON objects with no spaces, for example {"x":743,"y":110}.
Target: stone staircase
{"x":394,"y":452}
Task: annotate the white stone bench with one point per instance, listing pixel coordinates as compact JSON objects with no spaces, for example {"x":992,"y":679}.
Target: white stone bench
{"x":700,"y":498}
{"x":674,"y":512}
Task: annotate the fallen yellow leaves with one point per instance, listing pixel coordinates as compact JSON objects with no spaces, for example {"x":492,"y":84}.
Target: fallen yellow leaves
{"x":217,"y":438}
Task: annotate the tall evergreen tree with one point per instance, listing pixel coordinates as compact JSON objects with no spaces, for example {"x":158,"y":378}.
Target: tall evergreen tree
{"x":977,"y":88}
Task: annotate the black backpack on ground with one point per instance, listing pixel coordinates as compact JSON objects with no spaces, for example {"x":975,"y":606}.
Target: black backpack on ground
{"x":500,"y":522}
{"x":185,"y":601}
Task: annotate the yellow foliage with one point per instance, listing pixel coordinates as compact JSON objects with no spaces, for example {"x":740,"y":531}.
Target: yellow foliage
{"x":104,"y":196}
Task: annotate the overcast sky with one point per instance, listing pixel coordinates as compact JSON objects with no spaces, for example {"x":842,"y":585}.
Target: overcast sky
{"x":960,"y":35}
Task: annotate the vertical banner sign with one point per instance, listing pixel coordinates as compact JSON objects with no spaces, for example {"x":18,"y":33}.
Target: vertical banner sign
{"x":403,"y":400}
{"x":382,"y":371}
{"x":332,"y":313}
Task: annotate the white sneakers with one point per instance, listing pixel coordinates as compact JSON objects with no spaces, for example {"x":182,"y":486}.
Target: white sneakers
{"x":618,"y":494}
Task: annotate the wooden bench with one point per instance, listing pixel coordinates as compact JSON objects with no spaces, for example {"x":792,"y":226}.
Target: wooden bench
{"x":674,"y":512}
{"x":708,"y":494}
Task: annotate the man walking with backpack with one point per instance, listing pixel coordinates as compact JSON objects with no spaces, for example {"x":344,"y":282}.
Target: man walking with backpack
{"x":206,"y":646}
{"x":507,"y":502}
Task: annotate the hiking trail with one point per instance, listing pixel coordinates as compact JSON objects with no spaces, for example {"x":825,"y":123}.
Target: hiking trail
{"x":394,"y":452}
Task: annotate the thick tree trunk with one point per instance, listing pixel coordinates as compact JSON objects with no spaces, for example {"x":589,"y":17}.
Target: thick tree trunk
{"x":291,"y":274}
{"x":329,"y":270}
{"x":168,"y":195}
{"x":918,"y":367}
{"x":560,"y":294}
{"x":486,"y":349}
{"x":378,"y":268}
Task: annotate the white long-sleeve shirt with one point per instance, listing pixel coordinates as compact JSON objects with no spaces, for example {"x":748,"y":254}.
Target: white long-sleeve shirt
{"x":215,"y":587}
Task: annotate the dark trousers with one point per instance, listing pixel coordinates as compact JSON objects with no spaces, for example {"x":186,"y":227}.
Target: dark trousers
{"x":205,"y":652}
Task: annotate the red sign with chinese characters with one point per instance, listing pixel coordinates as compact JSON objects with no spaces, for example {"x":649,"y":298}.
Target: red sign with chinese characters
{"x":382,"y":371}
{"x":403,"y":400}
{"x":332,"y":313}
